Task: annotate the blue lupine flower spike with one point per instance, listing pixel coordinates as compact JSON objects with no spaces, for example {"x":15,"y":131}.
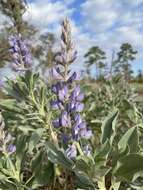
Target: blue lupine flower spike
{"x":69,"y":123}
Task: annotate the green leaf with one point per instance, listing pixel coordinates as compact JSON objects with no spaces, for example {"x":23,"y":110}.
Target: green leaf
{"x":21,"y":147}
{"x":129,"y":165}
{"x":103,"y":150}
{"x":37,"y":162}
{"x":82,"y":181}
{"x":137,"y":181}
{"x":81,"y":165}
{"x":108,"y":126}
{"x":57,"y":156}
{"x":131,"y":140}
{"x":45,"y":176}
{"x":35,"y":138}
{"x":10,"y":105}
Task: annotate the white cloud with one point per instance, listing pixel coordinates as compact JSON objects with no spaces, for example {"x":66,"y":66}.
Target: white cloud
{"x":45,"y":13}
{"x":115,"y":22}
{"x":104,"y":15}
{"x":99,"y":15}
{"x":105,"y":23}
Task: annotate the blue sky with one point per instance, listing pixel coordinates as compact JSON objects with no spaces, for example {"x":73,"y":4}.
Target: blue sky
{"x":103,"y":23}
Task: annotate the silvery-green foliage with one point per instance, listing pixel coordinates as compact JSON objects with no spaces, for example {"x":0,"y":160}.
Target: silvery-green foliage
{"x":27,"y":115}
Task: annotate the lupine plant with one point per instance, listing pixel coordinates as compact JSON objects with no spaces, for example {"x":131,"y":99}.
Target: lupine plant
{"x":63,"y":134}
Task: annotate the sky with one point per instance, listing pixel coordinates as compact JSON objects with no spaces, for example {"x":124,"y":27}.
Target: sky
{"x":103,"y":23}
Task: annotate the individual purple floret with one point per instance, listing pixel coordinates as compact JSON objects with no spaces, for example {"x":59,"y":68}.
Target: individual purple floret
{"x":71,"y":152}
{"x":11,"y":148}
{"x":20,"y":53}
{"x":69,"y":97}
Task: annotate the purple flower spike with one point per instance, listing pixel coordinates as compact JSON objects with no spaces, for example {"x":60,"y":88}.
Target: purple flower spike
{"x":20,"y":53}
{"x":69,"y":97}
{"x":71,"y":152}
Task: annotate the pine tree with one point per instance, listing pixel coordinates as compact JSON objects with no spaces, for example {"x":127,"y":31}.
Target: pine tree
{"x":123,"y":63}
{"x":95,"y":56}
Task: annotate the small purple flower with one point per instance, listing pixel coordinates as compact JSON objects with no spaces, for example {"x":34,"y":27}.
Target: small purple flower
{"x":71,"y":106}
{"x":76,"y":94}
{"x":79,"y":127}
{"x":65,"y":119}
{"x":71,"y":152}
{"x":11,"y":148}
{"x":63,"y":93}
{"x":73,"y":57}
{"x":66,"y":138}
{"x":79,"y":107}
{"x":56,"y":123}
{"x":57,"y":104}
{"x":56,"y":87}
{"x":55,"y":72}
{"x":59,"y":58}
{"x":84,"y":133}
{"x":78,"y":119}
{"x":75,"y":106}
{"x":74,"y":77}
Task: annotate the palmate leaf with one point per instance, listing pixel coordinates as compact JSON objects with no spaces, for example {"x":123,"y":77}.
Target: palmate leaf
{"x":108,"y":126}
{"x":128,"y":166}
